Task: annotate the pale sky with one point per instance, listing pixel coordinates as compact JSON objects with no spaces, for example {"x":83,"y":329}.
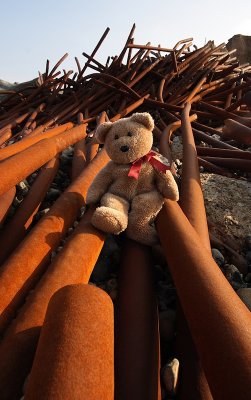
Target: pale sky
{"x":33,"y":31}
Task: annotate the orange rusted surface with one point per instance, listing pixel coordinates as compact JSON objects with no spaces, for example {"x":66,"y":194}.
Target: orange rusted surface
{"x":73,"y":265}
{"x":5,"y":202}
{"x":191,"y":197}
{"x":78,"y":363}
{"x":136,"y":336}
{"x":224,"y":347}
{"x":22,"y":164}
{"x":22,"y":218}
{"x":25,"y":264}
{"x":29,"y":141}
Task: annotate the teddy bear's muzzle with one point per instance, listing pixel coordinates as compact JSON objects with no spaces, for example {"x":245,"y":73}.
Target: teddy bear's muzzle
{"x":124,"y":148}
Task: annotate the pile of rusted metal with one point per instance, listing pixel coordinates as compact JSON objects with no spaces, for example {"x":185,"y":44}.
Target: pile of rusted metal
{"x":36,"y":125}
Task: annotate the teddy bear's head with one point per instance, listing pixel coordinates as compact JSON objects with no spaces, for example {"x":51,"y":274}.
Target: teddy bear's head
{"x":127,"y":139}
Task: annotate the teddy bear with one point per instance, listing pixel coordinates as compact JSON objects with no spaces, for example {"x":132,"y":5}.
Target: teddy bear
{"x":131,"y":188}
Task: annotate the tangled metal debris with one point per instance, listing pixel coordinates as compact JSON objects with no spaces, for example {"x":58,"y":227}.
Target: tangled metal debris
{"x":207,"y":93}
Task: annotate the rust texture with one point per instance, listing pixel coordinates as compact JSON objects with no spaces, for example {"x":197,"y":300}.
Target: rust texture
{"x":70,"y":364}
{"x":201,"y":95}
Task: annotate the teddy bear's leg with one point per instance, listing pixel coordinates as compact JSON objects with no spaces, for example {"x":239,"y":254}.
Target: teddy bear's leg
{"x":112,"y":215}
{"x":144,"y":210}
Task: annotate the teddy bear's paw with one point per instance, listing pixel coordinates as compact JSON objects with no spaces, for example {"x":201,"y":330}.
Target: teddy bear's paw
{"x":143,"y":234}
{"x":109,"y":220}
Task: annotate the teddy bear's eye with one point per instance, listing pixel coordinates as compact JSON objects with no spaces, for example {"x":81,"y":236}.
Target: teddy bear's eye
{"x":116,"y":137}
{"x":129,"y":134}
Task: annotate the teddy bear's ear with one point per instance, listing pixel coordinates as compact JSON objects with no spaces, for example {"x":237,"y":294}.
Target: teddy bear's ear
{"x":102,"y":131}
{"x":144,"y":119}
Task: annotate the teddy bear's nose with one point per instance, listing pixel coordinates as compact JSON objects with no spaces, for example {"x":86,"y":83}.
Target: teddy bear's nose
{"x":124,"y":148}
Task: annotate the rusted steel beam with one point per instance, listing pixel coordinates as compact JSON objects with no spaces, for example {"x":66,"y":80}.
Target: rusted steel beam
{"x":145,"y":47}
{"x":31,"y":140}
{"x":210,"y":167}
{"x":79,"y":157}
{"x":5,"y":202}
{"x":136,"y":328}
{"x":230,"y":163}
{"x":72,"y":365}
{"x":23,"y":217}
{"x":22,"y":164}
{"x":94,"y":52}
{"x":191,"y":197}
{"x":210,"y":140}
{"x":25,"y":264}
{"x":192,"y":204}
{"x":237,"y":131}
{"x":223,"y":345}
{"x":210,"y":151}
{"x":5,"y":135}
{"x":73,"y":265}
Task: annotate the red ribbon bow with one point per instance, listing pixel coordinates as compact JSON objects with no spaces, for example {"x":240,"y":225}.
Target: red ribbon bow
{"x":154,"y":159}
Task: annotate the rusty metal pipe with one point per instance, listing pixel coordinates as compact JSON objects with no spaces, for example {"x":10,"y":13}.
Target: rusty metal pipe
{"x":223,"y":337}
{"x":136,"y":328}
{"x":71,"y":364}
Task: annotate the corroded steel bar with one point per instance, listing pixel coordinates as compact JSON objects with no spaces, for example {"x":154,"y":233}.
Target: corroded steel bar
{"x":25,"y":263}
{"x":31,"y":140}
{"x":223,"y":345}
{"x":13,"y":122}
{"x":93,"y":146}
{"x":237,"y":131}
{"x":210,"y":140}
{"x":231,"y":163}
{"x":145,"y":47}
{"x":22,"y":164}
{"x":191,"y":197}
{"x":57,"y":64}
{"x":78,"y":363}
{"x":73,"y":265}
{"x":25,"y":212}
{"x":214,"y":168}
{"x":192,"y":204}
{"x":5,"y":202}
{"x":94,"y":52}
{"x":136,"y":328}
{"x":210,"y":151}
{"x":79,"y":158}
{"x":192,"y":383}
{"x":5,"y":135}
{"x":223,"y":114}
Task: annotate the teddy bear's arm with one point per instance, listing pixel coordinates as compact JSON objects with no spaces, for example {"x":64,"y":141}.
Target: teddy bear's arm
{"x":166,"y":185}
{"x":100,"y":184}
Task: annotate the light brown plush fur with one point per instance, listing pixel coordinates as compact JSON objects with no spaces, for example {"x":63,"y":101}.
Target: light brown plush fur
{"x":127,"y":203}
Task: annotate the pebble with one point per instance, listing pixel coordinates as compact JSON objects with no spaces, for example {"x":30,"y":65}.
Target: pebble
{"x":170,"y":374}
{"x":218,"y":257}
{"x":234,"y":277}
{"x":245,"y":295}
{"x":22,"y":188}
